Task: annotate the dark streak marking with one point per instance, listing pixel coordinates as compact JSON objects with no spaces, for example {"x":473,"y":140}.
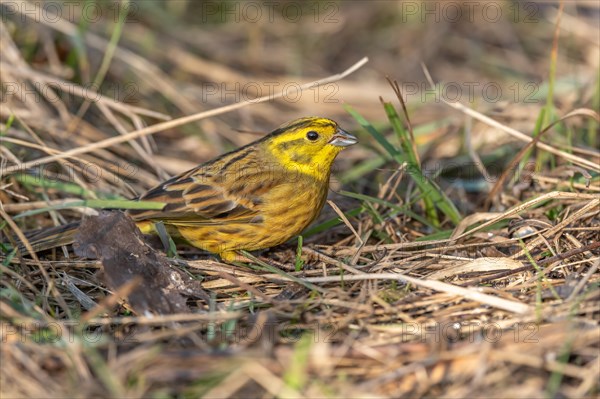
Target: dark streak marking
{"x":173,"y":207}
{"x":196,"y":188}
{"x":258,"y":187}
{"x":237,"y":188}
{"x":230,"y":230}
{"x":286,"y":145}
{"x":302,"y":158}
{"x":161,"y":193}
{"x":199,"y":200}
{"x":301,"y":124}
{"x":219,"y":207}
{"x":235,"y":159}
{"x":185,"y":181}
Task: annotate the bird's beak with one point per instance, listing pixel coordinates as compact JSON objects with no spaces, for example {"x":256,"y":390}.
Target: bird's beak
{"x":342,"y":139}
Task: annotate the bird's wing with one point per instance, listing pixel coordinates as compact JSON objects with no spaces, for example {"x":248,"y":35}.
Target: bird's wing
{"x":205,"y":196}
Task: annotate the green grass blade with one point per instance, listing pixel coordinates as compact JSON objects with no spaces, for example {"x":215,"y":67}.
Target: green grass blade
{"x":299,"y":262}
{"x":536,"y":131}
{"x":7,"y":125}
{"x":431,"y":194}
{"x":592,"y":123}
{"x":398,"y":209}
{"x":63,"y":187}
{"x":414,"y":168}
{"x":328,"y":224}
{"x":97,"y":204}
{"x":376,"y":135}
{"x":296,"y":375}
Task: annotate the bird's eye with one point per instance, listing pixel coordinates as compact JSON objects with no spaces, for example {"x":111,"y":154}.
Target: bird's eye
{"x":312,"y":135}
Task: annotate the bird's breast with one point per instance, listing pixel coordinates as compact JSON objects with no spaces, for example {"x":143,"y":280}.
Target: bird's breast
{"x":292,"y":206}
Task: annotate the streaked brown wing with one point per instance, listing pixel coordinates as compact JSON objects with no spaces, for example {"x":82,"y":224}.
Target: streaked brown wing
{"x":227,"y":190}
{"x":194,"y":199}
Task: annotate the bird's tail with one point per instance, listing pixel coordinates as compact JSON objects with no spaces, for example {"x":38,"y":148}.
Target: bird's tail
{"x":49,"y":238}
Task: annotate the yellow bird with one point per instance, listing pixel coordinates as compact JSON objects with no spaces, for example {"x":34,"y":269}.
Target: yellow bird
{"x":255,"y":197}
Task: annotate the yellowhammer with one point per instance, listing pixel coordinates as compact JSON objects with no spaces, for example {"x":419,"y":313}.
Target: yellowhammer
{"x":255,"y":197}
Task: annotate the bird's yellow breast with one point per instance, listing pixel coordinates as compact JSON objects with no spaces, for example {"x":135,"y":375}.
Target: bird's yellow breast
{"x":282,"y":214}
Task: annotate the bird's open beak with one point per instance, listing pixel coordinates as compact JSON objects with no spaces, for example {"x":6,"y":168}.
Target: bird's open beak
{"x":343,"y":139}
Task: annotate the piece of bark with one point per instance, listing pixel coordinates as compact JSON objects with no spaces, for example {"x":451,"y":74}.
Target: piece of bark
{"x":113,"y":238}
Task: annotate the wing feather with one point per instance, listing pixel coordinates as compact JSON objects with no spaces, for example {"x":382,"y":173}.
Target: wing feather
{"x":208,"y":195}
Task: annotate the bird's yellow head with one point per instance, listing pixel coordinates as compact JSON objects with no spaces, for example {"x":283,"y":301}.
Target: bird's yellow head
{"x":308,"y":145}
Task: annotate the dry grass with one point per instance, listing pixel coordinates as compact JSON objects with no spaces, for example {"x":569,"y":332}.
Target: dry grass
{"x":382,"y":302}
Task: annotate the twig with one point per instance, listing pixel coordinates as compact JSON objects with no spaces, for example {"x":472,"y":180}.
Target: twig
{"x":345,"y":220}
{"x":472,"y":294}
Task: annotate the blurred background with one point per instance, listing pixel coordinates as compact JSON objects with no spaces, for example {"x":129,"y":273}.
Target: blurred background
{"x":182,"y":57}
